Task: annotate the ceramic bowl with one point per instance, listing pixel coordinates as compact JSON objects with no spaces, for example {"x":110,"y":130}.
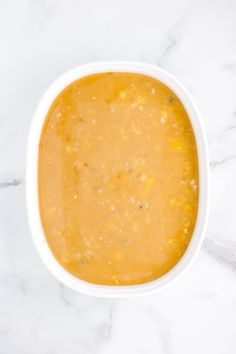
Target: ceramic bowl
{"x":32,"y":179}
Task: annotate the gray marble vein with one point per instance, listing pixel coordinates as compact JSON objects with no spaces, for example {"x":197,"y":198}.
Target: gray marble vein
{"x":230,"y":66}
{"x":230,"y":128}
{"x":225,"y":253}
{"x":170,"y":44}
{"x":217,"y":163}
{"x":13,"y":183}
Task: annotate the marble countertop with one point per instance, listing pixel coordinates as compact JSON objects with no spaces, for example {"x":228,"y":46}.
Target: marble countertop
{"x":194,"y":40}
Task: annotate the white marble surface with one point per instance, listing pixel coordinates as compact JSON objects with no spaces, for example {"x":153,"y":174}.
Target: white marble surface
{"x":196,"y":41}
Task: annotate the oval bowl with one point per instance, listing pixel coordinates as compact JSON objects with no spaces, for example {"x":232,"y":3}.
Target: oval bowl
{"x":32,"y":202}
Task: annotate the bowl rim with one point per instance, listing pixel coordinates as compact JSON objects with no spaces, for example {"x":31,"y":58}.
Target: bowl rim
{"x":32,"y":204}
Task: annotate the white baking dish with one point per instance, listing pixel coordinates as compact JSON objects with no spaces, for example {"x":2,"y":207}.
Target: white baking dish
{"x":32,"y":179}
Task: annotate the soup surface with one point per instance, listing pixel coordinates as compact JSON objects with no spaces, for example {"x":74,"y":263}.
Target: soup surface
{"x":118,"y":179}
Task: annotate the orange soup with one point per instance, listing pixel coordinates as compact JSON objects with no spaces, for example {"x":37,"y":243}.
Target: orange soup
{"x":118,"y":179}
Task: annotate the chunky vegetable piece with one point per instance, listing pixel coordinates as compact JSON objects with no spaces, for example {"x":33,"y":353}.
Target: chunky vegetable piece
{"x":118,"y":179}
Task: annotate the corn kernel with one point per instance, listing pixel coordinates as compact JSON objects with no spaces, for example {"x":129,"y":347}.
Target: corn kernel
{"x":164,"y":113}
{"x":118,"y":256}
{"x":148,"y":183}
{"x":174,"y":202}
{"x":176,"y":144}
{"x":122,"y":94}
{"x":115,"y":279}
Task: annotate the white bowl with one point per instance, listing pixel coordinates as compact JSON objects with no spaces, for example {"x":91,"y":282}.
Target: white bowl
{"x":32,"y":179}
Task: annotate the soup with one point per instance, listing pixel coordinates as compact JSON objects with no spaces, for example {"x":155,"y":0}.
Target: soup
{"x":117,"y":179}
